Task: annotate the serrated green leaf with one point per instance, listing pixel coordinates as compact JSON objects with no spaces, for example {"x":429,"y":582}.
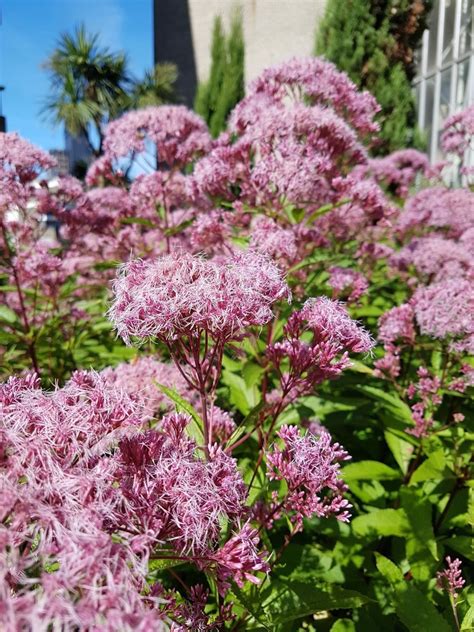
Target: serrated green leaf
{"x":382,"y":522}
{"x":414,"y":610}
{"x":434,"y":468}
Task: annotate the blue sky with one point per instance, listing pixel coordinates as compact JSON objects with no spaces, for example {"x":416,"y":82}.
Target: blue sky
{"x":28,"y":34}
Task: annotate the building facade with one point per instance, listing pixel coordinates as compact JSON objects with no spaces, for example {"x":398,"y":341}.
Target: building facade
{"x":274,"y":30}
{"x":445,"y":81}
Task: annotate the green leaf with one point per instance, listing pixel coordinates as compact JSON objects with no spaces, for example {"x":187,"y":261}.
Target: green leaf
{"x":174,"y":230}
{"x":195,"y":428}
{"x":414,"y":610}
{"x":7,"y":314}
{"x":434,"y":468}
{"x":343,"y":625}
{"x":382,"y":522}
{"x":157,"y":565}
{"x":467,"y":624}
{"x":389,"y":401}
{"x":402,"y":450}
{"x":360,"y":367}
{"x":243,"y":397}
{"x":290,"y":600}
{"x":462,"y":544}
{"x":252,"y":603}
{"x":137,"y":220}
{"x":369,"y":470}
{"x":421,"y":547}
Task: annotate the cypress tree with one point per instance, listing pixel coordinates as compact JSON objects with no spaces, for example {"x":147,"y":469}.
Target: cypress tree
{"x":374,"y":41}
{"x":216,"y":98}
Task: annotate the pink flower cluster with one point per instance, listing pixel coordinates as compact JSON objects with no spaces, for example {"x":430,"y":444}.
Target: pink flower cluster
{"x":300,"y":364}
{"x":451,"y":578}
{"x":458,"y":132}
{"x":310,"y":466}
{"x":180,"y":294}
{"x":347,"y":283}
{"x":176,"y":135}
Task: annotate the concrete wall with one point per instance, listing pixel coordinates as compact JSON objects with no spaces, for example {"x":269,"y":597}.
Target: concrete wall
{"x":274,"y":30}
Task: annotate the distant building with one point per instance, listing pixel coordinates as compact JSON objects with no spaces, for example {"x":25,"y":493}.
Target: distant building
{"x":274,"y":30}
{"x":445,"y":81}
{"x":3,"y":120}
{"x":79,"y":154}
{"x":62,"y":158}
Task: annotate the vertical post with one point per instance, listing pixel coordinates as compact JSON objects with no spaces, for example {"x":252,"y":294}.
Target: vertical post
{"x":437,"y":87}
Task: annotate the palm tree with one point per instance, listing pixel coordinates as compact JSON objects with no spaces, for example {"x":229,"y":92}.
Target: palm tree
{"x":89,"y":86}
{"x":156,"y":87}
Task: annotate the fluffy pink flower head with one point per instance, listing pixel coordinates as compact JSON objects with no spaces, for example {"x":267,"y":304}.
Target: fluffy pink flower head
{"x":451,"y":578}
{"x":20,"y":163}
{"x":139,"y":379}
{"x":397,"y":325}
{"x":302,"y":365}
{"x":310,"y":465}
{"x":436,"y":258}
{"x":347,"y":283}
{"x":178,"y":134}
{"x":398,"y":171}
{"x":458,"y":132}
{"x":101,"y":172}
{"x":21,"y":158}
{"x":319,"y":81}
{"x":268,"y":237}
{"x":446,"y":309}
{"x":179,"y":294}
{"x":451,"y":210}
{"x":239,"y":559}
{"x":329,"y":320}
{"x":173,"y":493}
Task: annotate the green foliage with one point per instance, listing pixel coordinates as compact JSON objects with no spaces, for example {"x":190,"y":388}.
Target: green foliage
{"x":90,"y":85}
{"x":216,"y":98}
{"x":374,"y":42}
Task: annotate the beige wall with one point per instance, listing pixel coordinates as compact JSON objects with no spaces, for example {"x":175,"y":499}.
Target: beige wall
{"x":274,"y":30}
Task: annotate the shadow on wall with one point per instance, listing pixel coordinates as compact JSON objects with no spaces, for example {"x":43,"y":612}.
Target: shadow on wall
{"x":173,"y":42}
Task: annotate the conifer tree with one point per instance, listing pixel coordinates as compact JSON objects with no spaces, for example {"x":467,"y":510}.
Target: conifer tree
{"x":216,"y":98}
{"x":374,"y":41}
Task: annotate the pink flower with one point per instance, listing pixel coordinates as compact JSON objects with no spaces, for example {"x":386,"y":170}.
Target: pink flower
{"x":178,"y":135}
{"x":139,"y":379}
{"x":451,"y":578}
{"x":239,"y":560}
{"x":347,"y":283}
{"x":267,"y":237}
{"x":175,"y":495}
{"x":398,"y":171}
{"x":333,"y":335}
{"x":458,"y":131}
{"x":179,"y":294}
{"x":319,"y":81}
{"x":445,"y":310}
{"x":310,"y":466}
{"x":397,"y":325}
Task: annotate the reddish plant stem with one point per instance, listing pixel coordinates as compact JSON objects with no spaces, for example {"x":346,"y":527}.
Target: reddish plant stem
{"x":30,"y":344}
